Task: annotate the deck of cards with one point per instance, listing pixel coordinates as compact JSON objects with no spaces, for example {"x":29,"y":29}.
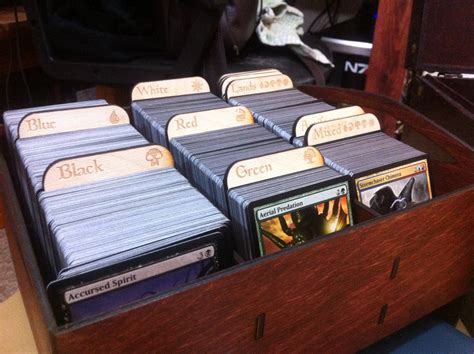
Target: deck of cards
{"x":111,"y":220}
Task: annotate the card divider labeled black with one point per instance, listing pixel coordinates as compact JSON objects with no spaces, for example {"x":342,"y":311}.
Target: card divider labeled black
{"x":95,"y":154}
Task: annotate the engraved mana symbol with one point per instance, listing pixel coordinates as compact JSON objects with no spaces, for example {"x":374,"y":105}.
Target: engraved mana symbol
{"x":114,"y":118}
{"x":153,"y":156}
{"x":197,"y":86}
{"x":309,"y":156}
{"x":240,"y":115}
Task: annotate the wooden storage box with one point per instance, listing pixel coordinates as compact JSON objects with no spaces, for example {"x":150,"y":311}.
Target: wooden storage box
{"x":339,"y":294}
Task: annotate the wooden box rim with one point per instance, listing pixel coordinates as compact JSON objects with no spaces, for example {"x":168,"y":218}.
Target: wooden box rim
{"x":38,"y":307}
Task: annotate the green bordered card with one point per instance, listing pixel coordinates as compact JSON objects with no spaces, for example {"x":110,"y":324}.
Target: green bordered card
{"x":302,"y":218}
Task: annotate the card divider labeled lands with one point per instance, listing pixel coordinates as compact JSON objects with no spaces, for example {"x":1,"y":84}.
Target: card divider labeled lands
{"x":302,"y":124}
{"x":269,"y":166}
{"x":168,"y":88}
{"x":206,"y":121}
{"x":341,"y":128}
{"x":225,"y":80}
{"x":68,"y":120}
{"x":251,"y":86}
{"x":81,"y":170}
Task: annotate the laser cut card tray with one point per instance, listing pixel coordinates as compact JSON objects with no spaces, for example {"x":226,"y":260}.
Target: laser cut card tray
{"x":338,"y":294}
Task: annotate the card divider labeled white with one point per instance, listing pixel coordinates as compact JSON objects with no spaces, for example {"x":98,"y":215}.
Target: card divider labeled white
{"x":168,"y":88}
{"x":270,"y":166}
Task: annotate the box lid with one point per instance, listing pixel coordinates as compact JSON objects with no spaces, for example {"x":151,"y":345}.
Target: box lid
{"x":442,"y":36}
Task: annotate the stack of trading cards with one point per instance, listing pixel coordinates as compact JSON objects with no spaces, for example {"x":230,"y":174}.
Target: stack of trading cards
{"x":204,"y":158}
{"x":76,"y":131}
{"x":316,"y":199}
{"x":276,"y":107}
{"x":13,"y":118}
{"x":173,"y":108}
{"x":305,"y":202}
{"x":387,"y":175}
{"x":126,"y":237}
{"x":103,"y":207}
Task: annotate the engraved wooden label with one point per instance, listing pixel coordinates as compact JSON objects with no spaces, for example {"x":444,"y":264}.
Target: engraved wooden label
{"x":87,"y":169}
{"x":206,"y":121}
{"x":270,"y":166}
{"x":61,"y":121}
{"x":226,"y":79}
{"x":242,"y":87}
{"x":304,"y":122}
{"x":324,"y":132}
{"x":167,"y":88}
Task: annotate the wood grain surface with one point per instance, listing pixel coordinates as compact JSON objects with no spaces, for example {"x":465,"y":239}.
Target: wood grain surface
{"x":341,"y":128}
{"x":386,"y":71}
{"x":80,"y":170}
{"x":323,"y":297}
{"x":67,"y":120}
{"x":207,"y":121}
{"x":273,"y":165}
{"x":167,"y":88}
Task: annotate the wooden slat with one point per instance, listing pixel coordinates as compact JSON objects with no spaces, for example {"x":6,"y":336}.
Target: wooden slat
{"x":386,"y":70}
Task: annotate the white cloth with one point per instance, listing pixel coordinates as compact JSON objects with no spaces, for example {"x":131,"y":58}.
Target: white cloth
{"x":282,"y":25}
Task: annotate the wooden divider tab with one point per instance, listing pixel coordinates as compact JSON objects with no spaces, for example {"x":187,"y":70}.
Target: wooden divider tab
{"x":304,"y":122}
{"x":167,"y":88}
{"x":250,"y":86}
{"x":324,"y":132}
{"x":206,"y":121}
{"x":274,"y":165}
{"x":61,"y":121}
{"x":93,"y":168}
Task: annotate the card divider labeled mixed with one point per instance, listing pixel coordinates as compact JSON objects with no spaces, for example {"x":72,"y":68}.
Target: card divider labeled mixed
{"x":341,"y":128}
{"x":301,"y":124}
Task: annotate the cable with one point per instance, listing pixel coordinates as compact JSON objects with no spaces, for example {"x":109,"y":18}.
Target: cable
{"x":18,"y":53}
{"x":331,"y":18}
